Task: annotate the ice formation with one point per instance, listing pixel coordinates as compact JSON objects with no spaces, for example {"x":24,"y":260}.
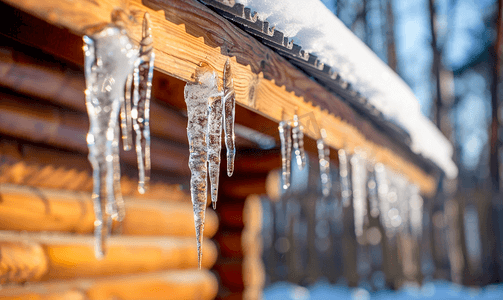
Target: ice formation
{"x":359,"y":183}
{"x":214,"y":140}
{"x":109,"y":58}
{"x":324,"y":161}
{"x":345,"y":180}
{"x":298,"y":142}
{"x":286,"y":152}
{"x":229,"y":103}
{"x":140,"y":112}
{"x":197,"y":97}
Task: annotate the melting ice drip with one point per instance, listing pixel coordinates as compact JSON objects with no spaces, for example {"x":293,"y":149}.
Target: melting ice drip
{"x":205,"y":111}
{"x":109,"y":58}
{"x":324,"y":160}
{"x":111,"y":62}
{"x":345,"y":181}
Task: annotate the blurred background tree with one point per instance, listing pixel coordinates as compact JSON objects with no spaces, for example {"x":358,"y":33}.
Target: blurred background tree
{"x":448,"y":51}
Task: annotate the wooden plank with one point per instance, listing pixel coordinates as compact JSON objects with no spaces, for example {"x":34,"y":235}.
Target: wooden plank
{"x":173,"y":285}
{"x":21,"y":162}
{"x":33,"y":209}
{"x":21,"y":262}
{"x":72,"y":256}
{"x":187,"y":33}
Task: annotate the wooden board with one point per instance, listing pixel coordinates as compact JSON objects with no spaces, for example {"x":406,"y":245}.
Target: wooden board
{"x":187,"y":33}
{"x":33,"y":209}
{"x":173,"y":285}
{"x":72,"y":256}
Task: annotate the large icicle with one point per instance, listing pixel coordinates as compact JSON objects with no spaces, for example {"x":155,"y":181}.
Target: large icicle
{"x":196,"y":97}
{"x":286,"y":152}
{"x":214,"y":140}
{"x":140,"y":112}
{"x":229,"y":103}
{"x":298,"y":142}
{"x":324,"y":160}
{"x":109,"y":58}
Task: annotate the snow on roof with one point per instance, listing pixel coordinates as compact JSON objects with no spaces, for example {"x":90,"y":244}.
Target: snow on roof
{"x":318,"y":31}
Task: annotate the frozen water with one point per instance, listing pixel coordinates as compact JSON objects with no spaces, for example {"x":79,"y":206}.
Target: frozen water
{"x":109,"y":58}
{"x":197,"y":96}
{"x":372,"y":192}
{"x":286,"y":152}
{"x":298,"y":142}
{"x":143,"y":73}
{"x":229,"y":103}
{"x":359,"y":180}
{"x":345,"y":180}
{"x":214,"y":140}
{"x":324,"y":160}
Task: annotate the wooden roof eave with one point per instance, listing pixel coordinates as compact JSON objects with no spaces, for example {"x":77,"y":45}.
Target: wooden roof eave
{"x":187,"y":33}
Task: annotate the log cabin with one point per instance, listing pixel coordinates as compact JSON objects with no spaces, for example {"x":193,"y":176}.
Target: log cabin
{"x":46,"y":210}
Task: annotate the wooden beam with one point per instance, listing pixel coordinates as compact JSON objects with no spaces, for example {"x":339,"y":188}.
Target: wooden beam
{"x":37,"y":166}
{"x":21,"y":262}
{"x":187,"y":33}
{"x":72,"y":256}
{"x":172,"y":285}
{"x":33,"y":209}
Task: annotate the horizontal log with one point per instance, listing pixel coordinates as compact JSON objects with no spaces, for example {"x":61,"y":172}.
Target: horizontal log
{"x":188,"y":33}
{"x":173,"y":285}
{"x":42,"y":123}
{"x":21,"y":262}
{"x":23,"y":74}
{"x":33,"y":209}
{"x":72,"y":256}
{"x":30,"y":165}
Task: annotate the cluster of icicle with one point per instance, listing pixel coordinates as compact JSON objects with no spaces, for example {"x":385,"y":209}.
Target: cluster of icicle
{"x":292,"y":134}
{"x":390,"y":196}
{"x":118,"y":81}
{"x":207,"y":109}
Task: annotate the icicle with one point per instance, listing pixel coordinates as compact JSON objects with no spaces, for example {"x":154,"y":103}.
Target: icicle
{"x":196,"y":97}
{"x":286,"y":152}
{"x":324,"y":160}
{"x":214,"y":139}
{"x":416,"y":211}
{"x":109,"y":58}
{"x":344,"y":174}
{"x":118,"y":209}
{"x":372,"y":191}
{"x":298,"y":142}
{"x":229,"y":103}
{"x":125,"y":114}
{"x":359,"y":179}
{"x":144,"y":69}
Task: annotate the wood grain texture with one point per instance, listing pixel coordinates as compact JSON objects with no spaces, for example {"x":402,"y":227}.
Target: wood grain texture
{"x":41,"y":167}
{"x":72,"y":256}
{"x":187,"y":33}
{"x":21,"y":262}
{"x":173,"y":285}
{"x":34,"y":209}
